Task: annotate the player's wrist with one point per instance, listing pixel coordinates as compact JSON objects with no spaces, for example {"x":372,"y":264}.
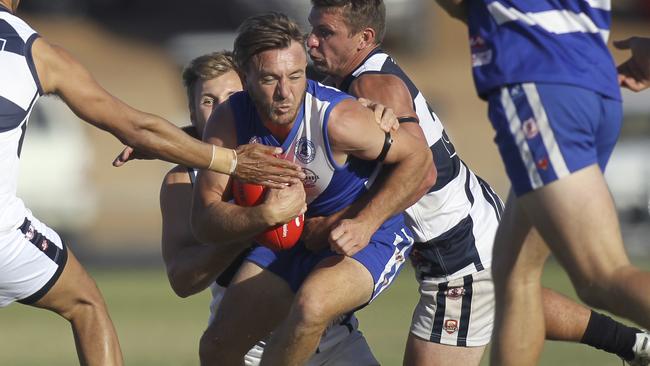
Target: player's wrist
{"x":223,"y":160}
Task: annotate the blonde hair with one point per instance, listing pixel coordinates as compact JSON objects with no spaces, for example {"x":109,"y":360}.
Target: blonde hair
{"x":206,"y":67}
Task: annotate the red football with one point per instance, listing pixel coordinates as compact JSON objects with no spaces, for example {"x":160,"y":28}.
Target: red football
{"x":279,"y":237}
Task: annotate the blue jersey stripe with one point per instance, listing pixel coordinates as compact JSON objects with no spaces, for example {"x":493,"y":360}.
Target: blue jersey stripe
{"x":545,"y":41}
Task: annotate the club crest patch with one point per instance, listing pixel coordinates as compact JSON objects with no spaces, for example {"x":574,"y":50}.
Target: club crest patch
{"x":305,"y":150}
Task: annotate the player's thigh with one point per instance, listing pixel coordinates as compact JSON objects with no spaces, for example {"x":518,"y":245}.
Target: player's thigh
{"x":577,"y":219}
{"x":514,"y":230}
{"x":74,"y":287}
{"x":420,"y":352}
{"x":457,"y":313}
{"x":255,"y":302}
{"x":337,"y":285}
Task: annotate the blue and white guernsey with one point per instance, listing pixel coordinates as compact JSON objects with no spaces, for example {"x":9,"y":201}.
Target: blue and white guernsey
{"x":19,"y":90}
{"x":546,"y":41}
{"x":454,"y":223}
{"x":329,"y":186}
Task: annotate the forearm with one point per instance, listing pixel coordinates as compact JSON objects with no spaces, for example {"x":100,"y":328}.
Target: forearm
{"x":223,"y":223}
{"x":194,"y":268}
{"x":159,"y":138}
{"x":398,"y":189}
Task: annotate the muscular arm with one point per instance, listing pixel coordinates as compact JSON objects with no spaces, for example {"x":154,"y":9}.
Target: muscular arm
{"x":352,"y":131}
{"x":387,"y":194}
{"x":191,"y":266}
{"x":214,"y":219}
{"x":60,"y":74}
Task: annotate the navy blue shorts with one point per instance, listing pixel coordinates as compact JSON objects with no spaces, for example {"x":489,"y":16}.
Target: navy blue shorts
{"x":548,"y":131}
{"x":383,"y":257}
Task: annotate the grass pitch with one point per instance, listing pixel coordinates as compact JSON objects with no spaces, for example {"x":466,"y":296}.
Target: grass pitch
{"x":157,"y":328}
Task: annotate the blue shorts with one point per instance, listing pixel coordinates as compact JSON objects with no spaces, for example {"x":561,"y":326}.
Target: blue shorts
{"x":383,"y":257}
{"x":548,"y":131}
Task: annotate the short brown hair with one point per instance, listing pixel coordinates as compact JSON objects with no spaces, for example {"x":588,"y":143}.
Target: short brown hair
{"x":264,"y":32}
{"x":360,"y":14}
{"x":206,"y":67}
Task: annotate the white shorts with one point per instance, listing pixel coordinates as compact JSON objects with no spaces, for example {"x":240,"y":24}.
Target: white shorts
{"x":32,"y":258}
{"x":456,"y":313}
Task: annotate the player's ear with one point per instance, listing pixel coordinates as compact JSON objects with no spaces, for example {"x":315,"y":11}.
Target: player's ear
{"x":367,"y":38}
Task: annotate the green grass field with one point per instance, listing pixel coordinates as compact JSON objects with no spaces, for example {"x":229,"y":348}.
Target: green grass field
{"x":158,"y":328}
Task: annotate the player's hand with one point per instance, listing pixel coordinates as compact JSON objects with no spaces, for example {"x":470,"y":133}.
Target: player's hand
{"x":129,"y":154}
{"x":350,"y":236}
{"x":283,"y":205}
{"x":315,"y":233}
{"x":384,"y":116}
{"x":634,"y":73}
{"x":257,"y":163}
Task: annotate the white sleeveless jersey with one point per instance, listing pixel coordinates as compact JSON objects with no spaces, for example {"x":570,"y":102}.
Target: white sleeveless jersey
{"x":457,"y":218}
{"x":19,"y":90}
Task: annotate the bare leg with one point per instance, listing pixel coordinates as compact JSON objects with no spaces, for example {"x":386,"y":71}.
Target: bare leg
{"x":566,"y":320}
{"x":420,"y":352}
{"x":254,"y":304}
{"x":519,"y":257}
{"x":337,"y":286}
{"x":75,"y":297}
{"x":576,"y":217}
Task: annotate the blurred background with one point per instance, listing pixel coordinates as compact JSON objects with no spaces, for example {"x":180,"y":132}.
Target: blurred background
{"x":110,"y":216}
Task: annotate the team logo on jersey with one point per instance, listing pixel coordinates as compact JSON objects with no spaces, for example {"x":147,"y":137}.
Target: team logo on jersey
{"x":29,"y":235}
{"x":44,"y":244}
{"x":542,"y":163}
{"x":305,"y":150}
{"x":310,"y":178}
{"x":481,"y":52}
{"x":530,"y":128}
{"x":399,"y":258}
{"x":455,"y":293}
{"x":451,"y":326}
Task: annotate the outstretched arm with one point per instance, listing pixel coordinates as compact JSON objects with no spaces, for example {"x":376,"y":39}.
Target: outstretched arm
{"x":59,"y":73}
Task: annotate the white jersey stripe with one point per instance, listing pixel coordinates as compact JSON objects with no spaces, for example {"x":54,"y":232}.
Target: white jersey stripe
{"x":552,"y":147}
{"x":552,"y":21}
{"x":600,"y":4}
{"x":520,"y":140}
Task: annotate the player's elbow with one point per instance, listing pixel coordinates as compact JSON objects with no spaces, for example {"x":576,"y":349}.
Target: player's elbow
{"x":178,"y":280}
{"x":431,"y":178}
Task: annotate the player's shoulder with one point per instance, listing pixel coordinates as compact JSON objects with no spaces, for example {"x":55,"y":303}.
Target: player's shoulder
{"x":375,"y":82}
{"x":325,"y":93}
{"x":177,"y":175}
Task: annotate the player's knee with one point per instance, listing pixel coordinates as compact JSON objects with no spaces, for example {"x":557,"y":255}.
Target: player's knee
{"x":311,"y":312}
{"x":86,"y":306}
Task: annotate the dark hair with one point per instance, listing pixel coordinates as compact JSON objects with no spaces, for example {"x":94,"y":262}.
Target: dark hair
{"x":360,"y":14}
{"x":262,"y":33}
{"x":206,"y":67}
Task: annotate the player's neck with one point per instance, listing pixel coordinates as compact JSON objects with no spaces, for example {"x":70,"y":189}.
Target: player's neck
{"x":280,"y":132}
{"x":354,"y":62}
